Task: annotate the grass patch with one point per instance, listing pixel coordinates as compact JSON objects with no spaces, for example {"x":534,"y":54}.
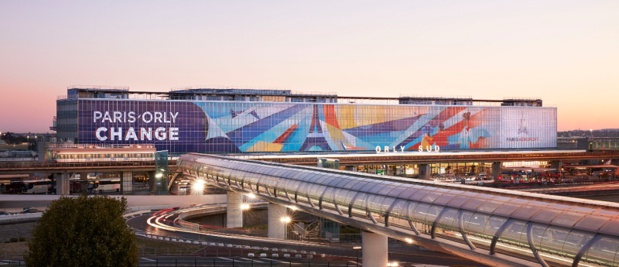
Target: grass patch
{"x":13,"y":250}
{"x":16,"y":249}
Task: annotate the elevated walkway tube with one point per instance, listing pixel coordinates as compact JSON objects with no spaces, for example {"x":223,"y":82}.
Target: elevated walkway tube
{"x":491,"y":226}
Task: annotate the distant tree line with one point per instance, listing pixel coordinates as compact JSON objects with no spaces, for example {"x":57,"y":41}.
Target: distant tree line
{"x":13,"y":138}
{"x":590,"y":133}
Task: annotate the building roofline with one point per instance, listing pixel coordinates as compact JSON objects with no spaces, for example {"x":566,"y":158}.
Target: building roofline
{"x":289,"y":93}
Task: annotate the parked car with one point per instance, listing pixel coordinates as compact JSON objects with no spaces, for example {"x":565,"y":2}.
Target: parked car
{"x":31,"y":210}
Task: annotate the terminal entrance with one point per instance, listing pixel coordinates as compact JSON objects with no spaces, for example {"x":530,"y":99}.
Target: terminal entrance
{"x":487,"y":173}
{"x":439,"y":171}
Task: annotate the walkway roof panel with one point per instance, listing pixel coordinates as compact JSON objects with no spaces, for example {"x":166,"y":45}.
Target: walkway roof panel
{"x":590,"y":223}
{"x":550,"y":226}
{"x":611,"y":227}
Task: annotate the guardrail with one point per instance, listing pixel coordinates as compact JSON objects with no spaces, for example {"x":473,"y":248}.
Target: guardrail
{"x":135,"y":213}
{"x":202,"y":210}
{"x":20,"y":218}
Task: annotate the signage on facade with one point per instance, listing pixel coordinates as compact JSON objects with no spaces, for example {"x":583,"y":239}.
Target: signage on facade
{"x":131,"y":133}
{"x":400,"y":149}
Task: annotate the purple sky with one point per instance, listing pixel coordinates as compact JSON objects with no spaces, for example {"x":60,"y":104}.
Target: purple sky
{"x":565,"y":52}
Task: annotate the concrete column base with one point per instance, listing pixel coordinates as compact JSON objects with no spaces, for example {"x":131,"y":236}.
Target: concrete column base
{"x":83,"y":181}
{"x":558,"y":165}
{"x":151,"y":182}
{"x":126,"y":184}
{"x":63,"y":184}
{"x":425,"y":171}
{"x":234,"y":214}
{"x":496,"y":169}
{"x":375,"y":249}
{"x":277,"y":228}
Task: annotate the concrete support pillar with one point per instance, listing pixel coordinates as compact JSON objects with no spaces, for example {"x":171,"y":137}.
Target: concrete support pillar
{"x":375,"y":249}
{"x":126,"y":182}
{"x":83,"y":181}
{"x":277,"y":227}
{"x":151,"y":182}
{"x":557,"y":165}
{"x":496,"y":169}
{"x":62,"y":184}
{"x":425,"y":171}
{"x":234,"y":214}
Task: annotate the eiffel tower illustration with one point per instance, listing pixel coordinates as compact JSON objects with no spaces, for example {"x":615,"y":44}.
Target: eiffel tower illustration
{"x":315,"y":136}
{"x":522,"y":129}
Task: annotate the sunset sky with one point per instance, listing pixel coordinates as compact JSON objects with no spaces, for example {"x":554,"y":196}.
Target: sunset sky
{"x":564,"y":52}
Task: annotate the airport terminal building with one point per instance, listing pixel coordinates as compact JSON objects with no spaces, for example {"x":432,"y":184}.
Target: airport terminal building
{"x":266,"y":121}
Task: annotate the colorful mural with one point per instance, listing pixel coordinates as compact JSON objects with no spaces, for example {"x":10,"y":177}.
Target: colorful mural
{"x":235,"y":127}
{"x":328,"y":127}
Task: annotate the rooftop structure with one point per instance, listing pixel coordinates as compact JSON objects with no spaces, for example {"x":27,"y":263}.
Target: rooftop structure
{"x":270,"y":95}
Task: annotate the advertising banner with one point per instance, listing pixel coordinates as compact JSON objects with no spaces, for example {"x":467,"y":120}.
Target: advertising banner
{"x":242,"y":127}
{"x":173,"y":126}
{"x":528,"y":127}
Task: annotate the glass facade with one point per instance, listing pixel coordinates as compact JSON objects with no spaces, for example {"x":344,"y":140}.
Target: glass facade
{"x":182,"y":126}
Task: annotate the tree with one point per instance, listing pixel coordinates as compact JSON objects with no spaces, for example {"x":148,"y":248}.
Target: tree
{"x":83,"y":231}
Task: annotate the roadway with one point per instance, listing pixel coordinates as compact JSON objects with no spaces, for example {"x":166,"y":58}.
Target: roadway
{"x":435,"y":157}
{"x":590,"y":190}
{"x":161,"y":224}
{"x":76,"y":167}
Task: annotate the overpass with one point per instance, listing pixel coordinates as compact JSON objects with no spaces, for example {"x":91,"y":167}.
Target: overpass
{"x":397,"y":157}
{"x":491,"y":226}
{"x":78,"y":167}
{"x":62,"y":171}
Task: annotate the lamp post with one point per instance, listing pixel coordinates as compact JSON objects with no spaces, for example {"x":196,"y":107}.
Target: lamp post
{"x":357,"y":248}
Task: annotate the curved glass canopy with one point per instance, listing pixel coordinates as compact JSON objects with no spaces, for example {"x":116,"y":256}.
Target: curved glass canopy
{"x":549,"y":230}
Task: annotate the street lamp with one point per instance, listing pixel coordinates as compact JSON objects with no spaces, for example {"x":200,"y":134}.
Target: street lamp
{"x":197,"y":187}
{"x":245,"y":206}
{"x":285,"y":219}
{"x":357,"y":249}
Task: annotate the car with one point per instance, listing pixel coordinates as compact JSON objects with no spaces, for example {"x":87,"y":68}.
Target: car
{"x":4,"y":213}
{"x":30,"y":210}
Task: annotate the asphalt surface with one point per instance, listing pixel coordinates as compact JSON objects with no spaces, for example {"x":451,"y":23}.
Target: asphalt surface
{"x":229,"y":248}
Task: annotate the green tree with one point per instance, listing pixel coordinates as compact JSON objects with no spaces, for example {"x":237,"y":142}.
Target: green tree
{"x":83,"y":231}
